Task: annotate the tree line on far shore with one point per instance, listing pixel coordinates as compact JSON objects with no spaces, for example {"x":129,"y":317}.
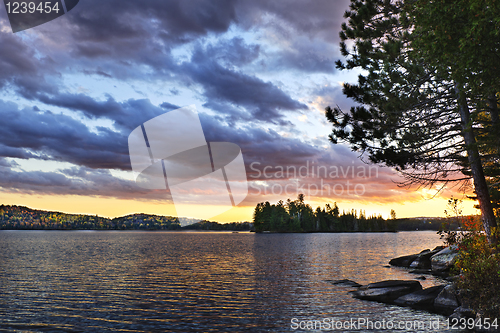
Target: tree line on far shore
{"x":297,"y":216}
{"x":24,"y":218}
{"x":302,"y":219}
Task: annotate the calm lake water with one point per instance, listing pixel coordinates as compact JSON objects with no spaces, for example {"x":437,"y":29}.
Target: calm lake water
{"x":106,"y":281}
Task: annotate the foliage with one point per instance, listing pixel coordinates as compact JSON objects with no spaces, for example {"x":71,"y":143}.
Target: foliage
{"x":461,"y":40}
{"x":424,"y":108}
{"x":297,"y":216}
{"x":19,"y":217}
{"x":407,"y":116}
{"x":464,"y":224}
{"x":479,"y":279}
{"x":454,"y":212}
{"x":478,"y":263}
{"x":209,"y":225}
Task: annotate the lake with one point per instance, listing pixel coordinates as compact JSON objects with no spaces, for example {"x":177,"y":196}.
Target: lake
{"x":128,"y":281}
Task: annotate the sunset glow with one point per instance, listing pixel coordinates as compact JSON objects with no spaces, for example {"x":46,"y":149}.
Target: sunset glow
{"x":260,"y":79}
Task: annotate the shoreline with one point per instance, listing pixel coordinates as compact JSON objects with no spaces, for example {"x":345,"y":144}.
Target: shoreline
{"x":445,"y":299}
{"x":227,"y":231}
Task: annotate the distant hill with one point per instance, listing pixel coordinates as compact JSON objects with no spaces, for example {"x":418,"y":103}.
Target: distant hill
{"x":425,"y":223}
{"x":22,"y":218}
{"x":25,"y":218}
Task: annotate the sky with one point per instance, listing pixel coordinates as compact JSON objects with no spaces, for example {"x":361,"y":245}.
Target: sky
{"x":260,"y":74}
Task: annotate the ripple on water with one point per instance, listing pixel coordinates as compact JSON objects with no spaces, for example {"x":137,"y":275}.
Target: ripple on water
{"x":195,"y":282}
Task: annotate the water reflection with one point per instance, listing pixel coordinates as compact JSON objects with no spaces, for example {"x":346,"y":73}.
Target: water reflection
{"x":193,"y":281}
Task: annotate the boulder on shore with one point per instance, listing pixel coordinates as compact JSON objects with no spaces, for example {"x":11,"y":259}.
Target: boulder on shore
{"x":403,"y":261}
{"x":423,"y":260}
{"x":444,"y":259}
{"x":422,"y":299}
{"x":387,"y":291}
{"x":446,"y":302}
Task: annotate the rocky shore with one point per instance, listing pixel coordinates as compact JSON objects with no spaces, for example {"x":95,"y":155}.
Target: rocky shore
{"x":438,"y":261}
{"x":442,"y":299}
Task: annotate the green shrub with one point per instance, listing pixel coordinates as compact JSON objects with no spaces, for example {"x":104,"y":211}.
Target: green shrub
{"x":478,"y":266}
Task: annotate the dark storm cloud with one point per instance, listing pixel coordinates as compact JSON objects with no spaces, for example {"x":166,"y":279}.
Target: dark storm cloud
{"x":230,"y":92}
{"x":261,"y":149}
{"x":20,"y":152}
{"x":306,"y":56}
{"x":40,"y":131}
{"x":305,"y":31}
{"x":126,"y":115}
{"x":27,"y":133}
{"x":171,"y":21}
{"x":21,"y":70}
{"x":119,"y":35}
{"x":262,"y":100}
{"x":314,"y":18}
{"x":134,"y":41}
{"x":241,"y":97}
{"x":130,"y":43}
{"x":260,"y":144}
{"x":31,"y":133}
{"x":233,"y":52}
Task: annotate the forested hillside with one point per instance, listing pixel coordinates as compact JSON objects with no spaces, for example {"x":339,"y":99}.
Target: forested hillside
{"x":19,"y":217}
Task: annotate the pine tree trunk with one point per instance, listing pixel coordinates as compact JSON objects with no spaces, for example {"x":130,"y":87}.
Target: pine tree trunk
{"x":480,"y":185}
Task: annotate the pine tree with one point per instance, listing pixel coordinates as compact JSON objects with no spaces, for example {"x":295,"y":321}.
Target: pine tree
{"x":411,"y":116}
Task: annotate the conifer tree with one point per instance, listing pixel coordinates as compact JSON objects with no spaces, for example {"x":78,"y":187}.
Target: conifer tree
{"x":414,"y":114}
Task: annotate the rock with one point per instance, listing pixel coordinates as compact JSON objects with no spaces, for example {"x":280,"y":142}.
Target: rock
{"x":463,"y":312}
{"x":403,"y":261}
{"x":386,"y":291}
{"x":444,"y":259}
{"x":390,"y":283}
{"x":423,"y":260}
{"x":345,"y":283}
{"x":420,"y":271}
{"x":421,"y":278}
{"x":446,"y":302}
{"x":422,"y":299}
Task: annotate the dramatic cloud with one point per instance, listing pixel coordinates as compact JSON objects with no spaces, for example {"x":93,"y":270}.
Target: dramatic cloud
{"x":125,"y":115}
{"x":261,"y":100}
{"x":313,"y":18}
{"x":306,"y":56}
{"x":31,"y":133}
{"x":260,"y":73}
{"x":75,"y":181}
